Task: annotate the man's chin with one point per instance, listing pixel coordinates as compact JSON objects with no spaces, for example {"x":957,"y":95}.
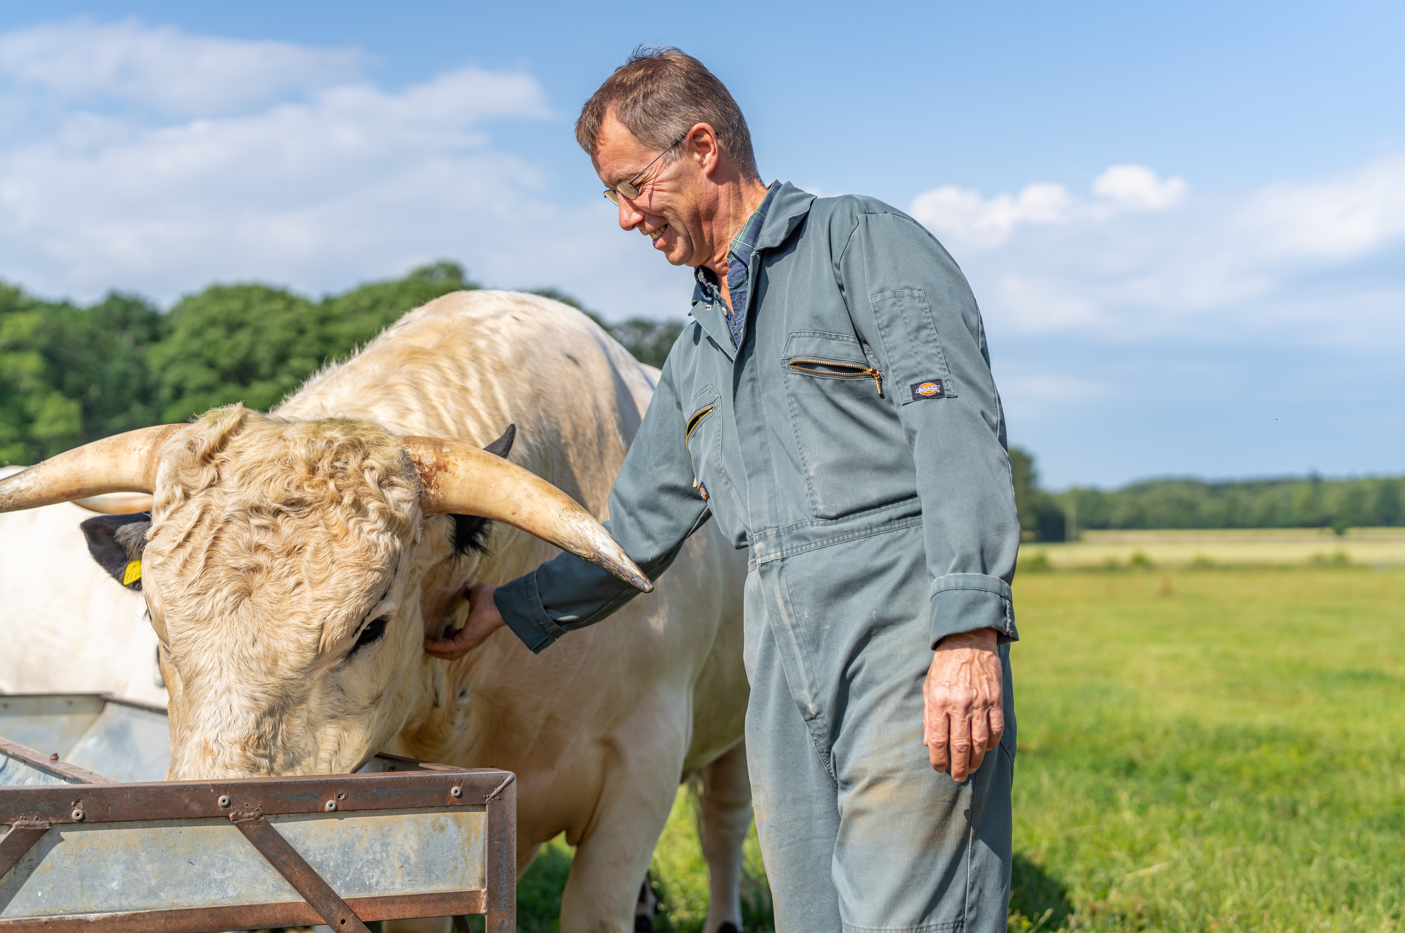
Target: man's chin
{"x":674,"y":252}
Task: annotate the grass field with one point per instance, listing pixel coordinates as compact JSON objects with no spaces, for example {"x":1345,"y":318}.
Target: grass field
{"x":1207,"y":749}
{"x":1252,"y":547}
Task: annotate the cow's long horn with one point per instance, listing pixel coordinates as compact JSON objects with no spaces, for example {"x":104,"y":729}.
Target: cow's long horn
{"x":121,"y":463}
{"x":459,"y":479}
{"x":117,"y":503}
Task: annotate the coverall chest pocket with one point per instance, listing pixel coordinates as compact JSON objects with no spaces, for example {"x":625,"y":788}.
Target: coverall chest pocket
{"x":704,"y":438}
{"x":847,"y":433}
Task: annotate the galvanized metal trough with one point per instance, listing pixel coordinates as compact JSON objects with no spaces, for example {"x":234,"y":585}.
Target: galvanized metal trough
{"x":94,"y":841}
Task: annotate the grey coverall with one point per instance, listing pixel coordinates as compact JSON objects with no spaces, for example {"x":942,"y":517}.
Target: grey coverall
{"x":855,"y":443}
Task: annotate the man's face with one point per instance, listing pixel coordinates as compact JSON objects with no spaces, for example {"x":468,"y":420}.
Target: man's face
{"x":673,"y":197}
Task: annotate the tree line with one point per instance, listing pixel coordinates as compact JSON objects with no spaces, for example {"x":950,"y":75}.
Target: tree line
{"x":70,"y":374}
{"x":1289,"y":502}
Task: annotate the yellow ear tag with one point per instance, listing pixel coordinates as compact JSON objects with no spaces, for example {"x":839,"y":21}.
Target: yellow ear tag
{"x":133,"y":573}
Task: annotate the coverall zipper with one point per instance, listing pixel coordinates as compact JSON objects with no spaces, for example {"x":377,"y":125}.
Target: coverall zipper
{"x":838,"y":370}
{"x":693,"y":422}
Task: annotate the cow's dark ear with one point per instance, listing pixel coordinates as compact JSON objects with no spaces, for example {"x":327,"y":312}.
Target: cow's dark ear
{"x":503,"y":445}
{"x":116,"y":543}
{"x":471,"y":531}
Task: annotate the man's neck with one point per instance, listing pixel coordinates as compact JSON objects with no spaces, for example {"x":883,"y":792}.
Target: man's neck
{"x":736,"y":204}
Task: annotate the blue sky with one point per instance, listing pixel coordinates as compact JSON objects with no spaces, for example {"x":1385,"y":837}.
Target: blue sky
{"x":1185,"y":223}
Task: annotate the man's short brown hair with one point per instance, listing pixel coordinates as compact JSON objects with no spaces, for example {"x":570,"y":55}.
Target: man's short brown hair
{"x":659,"y":94}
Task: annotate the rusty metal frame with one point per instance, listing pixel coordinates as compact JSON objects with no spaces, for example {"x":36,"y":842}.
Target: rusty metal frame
{"x":52,"y":764}
{"x":405,"y":784}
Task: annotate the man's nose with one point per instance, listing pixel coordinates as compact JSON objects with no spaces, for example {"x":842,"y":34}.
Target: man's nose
{"x":630,"y":217}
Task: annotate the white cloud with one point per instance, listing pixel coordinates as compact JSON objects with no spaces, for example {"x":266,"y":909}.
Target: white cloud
{"x":1341,"y":218}
{"x":1134,"y":187}
{"x":962,"y":214}
{"x":1142,"y":258}
{"x":163,"y":68}
{"x":327,"y":181}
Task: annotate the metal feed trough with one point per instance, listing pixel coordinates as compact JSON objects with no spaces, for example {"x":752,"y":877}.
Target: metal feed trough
{"x":92,"y":839}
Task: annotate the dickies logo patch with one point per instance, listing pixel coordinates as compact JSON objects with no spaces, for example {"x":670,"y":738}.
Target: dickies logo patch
{"x":928,"y":388}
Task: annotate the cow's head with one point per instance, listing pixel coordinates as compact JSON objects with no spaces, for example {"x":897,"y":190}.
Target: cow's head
{"x":282,"y":563}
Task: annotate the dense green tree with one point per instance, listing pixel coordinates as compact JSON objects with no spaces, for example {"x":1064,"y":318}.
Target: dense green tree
{"x":1041,"y":515}
{"x":235,"y":343}
{"x":1313,"y":502}
{"x":256,"y":343}
{"x":69,"y":374}
{"x":101,"y":355}
{"x":1387,"y":509}
{"x":648,"y":340}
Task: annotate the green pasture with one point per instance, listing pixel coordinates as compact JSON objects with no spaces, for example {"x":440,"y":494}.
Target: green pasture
{"x":1204,"y":749}
{"x":1241,"y":547}
{"x":1211,"y":750}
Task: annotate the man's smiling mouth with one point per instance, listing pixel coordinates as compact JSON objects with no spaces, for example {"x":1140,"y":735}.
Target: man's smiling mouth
{"x":658,"y":233}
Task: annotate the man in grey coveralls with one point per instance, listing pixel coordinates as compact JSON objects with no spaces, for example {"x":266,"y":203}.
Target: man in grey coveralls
{"x":831,"y":406}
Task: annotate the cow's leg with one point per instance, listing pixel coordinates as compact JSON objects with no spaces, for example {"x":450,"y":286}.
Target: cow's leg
{"x":725,"y":815}
{"x":526,"y":855}
{"x":614,"y":853}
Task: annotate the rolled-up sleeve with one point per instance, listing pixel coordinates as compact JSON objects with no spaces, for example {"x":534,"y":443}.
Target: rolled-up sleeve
{"x":903,"y":286}
{"x":653,"y":510}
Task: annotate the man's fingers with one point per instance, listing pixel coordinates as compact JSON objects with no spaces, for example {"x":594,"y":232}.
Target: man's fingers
{"x":450,"y":649}
{"x":980,"y":733}
{"x":483,"y":620}
{"x":960,"y":747}
{"x":962,"y":717}
{"x":937,"y":733}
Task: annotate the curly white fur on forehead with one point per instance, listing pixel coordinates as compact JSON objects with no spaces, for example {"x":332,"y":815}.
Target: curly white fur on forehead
{"x":259,"y":518}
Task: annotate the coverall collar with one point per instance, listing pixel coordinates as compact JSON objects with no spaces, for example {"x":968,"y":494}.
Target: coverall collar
{"x":788,"y":209}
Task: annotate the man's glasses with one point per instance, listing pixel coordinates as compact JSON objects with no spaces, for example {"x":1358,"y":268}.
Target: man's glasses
{"x":628,"y":188}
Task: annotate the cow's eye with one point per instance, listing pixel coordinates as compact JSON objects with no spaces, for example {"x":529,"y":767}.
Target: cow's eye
{"x":372,"y":633}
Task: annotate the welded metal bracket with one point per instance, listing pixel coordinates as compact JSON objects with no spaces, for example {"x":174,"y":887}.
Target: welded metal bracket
{"x":293,"y":867}
{"x":18,"y":841}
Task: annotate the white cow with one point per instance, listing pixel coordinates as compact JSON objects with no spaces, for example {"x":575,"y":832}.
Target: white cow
{"x":295,"y":562}
{"x":65,"y":627}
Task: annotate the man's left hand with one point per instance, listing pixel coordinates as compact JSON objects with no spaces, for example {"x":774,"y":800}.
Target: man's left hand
{"x":961,"y":702}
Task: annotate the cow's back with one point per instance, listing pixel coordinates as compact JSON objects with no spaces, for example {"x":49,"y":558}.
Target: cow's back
{"x":468,"y":364}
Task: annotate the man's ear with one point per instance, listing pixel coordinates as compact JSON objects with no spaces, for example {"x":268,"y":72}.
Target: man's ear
{"x":116,"y":543}
{"x":706,"y":150}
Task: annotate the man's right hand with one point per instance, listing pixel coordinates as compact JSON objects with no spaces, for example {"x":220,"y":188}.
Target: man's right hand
{"x":483,"y":620}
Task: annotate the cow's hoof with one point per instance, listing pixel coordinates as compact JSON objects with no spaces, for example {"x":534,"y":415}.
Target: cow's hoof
{"x":643,"y":923}
{"x":729,"y":927}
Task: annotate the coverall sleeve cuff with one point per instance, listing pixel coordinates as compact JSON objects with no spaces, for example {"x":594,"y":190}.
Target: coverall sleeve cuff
{"x":521,"y":608}
{"x":965,"y":602}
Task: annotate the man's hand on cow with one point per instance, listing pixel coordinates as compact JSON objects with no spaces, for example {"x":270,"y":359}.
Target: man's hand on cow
{"x":483,"y":620}
{"x":961,"y":702}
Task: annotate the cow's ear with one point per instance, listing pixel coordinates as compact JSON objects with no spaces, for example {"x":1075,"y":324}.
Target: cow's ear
{"x":116,"y":543}
{"x":470,"y":531}
{"x":503,"y":445}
